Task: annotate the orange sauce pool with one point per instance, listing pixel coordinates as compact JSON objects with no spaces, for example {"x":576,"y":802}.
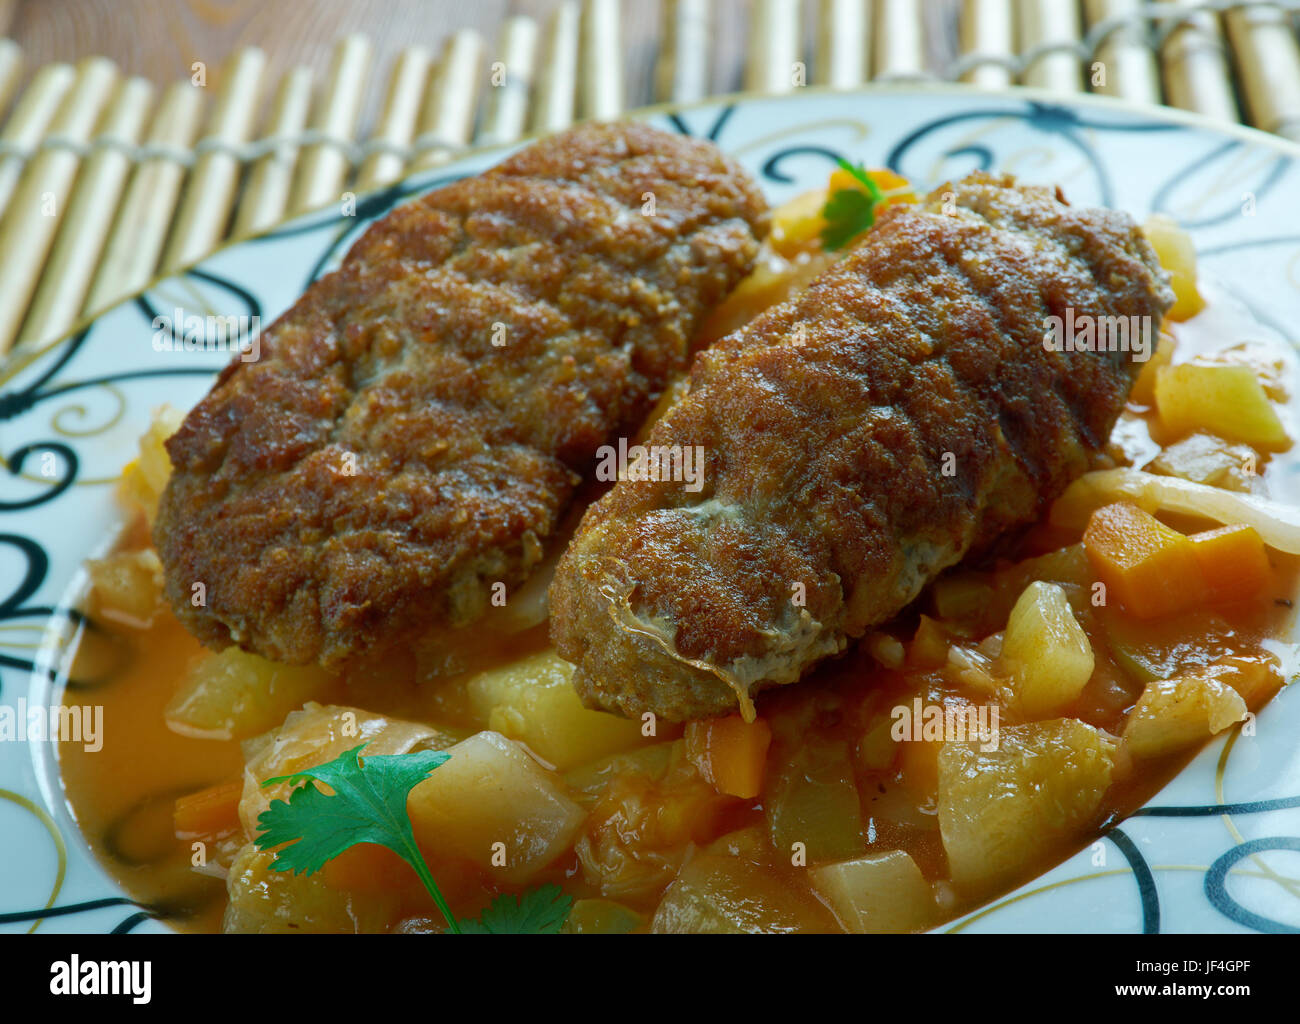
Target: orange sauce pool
{"x":123,"y":795}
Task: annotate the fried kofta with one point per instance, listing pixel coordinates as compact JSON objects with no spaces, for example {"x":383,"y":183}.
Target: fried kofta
{"x":417,"y":423}
{"x":903,"y":411}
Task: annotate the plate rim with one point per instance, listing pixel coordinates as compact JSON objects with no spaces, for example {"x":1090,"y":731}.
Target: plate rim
{"x":473,"y":153}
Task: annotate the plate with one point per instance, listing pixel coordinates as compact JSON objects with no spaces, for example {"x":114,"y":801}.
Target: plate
{"x":1218,"y":850}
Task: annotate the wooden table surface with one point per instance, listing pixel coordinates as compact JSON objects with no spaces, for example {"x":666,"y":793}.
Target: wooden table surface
{"x":161,"y":39}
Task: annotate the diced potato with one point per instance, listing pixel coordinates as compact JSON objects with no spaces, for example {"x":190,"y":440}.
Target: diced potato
{"x":1173,"y":714}
{"x":1045,"y":651}
{"x":491,"y":792}
{"x":814,"y":800}
{"x":232,"y":694}
{"x":1143,"y":391}
{"x":268,"y":902}
{"x":720,"y":894}
{"x":533,"y":701}
{"x":1256,"y":677}
{"x":602,"y":917}
{"x":1001,"y":810}
{"x":127,"y":587}
{"x":1227,"y":400}
{"x":318,"y":734}
{"x":885,"y":892}
{"x":1151,"y":569}
{"x":1206,"y":459}
{"x":1264,"y":357}
{"x":797,"y":225}
{"x":1177,"y":254}
{"x":144,"y":479}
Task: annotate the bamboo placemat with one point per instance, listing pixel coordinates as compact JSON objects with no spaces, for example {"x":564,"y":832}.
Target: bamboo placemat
{"x":106,"y":182}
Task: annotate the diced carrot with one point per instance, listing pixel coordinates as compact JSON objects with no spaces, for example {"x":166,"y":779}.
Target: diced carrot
{"x":730,"y":753}
{"x":1233,"y":562}
{"x":885,"y":180}
{"x":797,"y":225}
{"x":209,"y":812}
{"x":1151,"y":569}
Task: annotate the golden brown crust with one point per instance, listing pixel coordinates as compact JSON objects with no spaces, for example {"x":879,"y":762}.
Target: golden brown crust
{"x":858,"y":439}
{"x":384,"y":462}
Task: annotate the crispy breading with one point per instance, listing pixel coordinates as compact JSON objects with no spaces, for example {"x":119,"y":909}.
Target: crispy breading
{"x":417,"y":423}
{"x":859,"y":438}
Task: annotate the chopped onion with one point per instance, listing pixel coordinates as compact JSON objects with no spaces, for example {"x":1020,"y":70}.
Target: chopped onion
{"x":1277,"y":524}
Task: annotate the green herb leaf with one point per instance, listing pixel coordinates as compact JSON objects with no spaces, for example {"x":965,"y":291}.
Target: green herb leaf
{"x":860,"y":172}
{"x":540,"y":911}
{"x":848,"y":211}
{"x":368,"y":805}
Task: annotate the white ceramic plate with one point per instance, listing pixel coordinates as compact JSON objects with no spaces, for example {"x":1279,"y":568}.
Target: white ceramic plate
{"x":1217,"y":850}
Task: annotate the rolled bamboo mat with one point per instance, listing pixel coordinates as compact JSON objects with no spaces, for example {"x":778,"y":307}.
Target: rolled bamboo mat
{"x":210,"y":191}
{"x":266,"y":193}
{"x":1264,"y":40}
{"x":682,"y":72}
{"x":145,"y":214}
{"x":1194,"y":64}
{"x":104,"y":185}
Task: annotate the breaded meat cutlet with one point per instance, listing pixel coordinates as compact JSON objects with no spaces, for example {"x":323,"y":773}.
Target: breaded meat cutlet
{"x":859,"y":438}
{"x":417,"y":422}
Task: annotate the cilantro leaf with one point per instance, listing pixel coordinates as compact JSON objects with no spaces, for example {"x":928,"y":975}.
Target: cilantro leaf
{"x":368,"y":805}
{"x":849,"y":211}
{"x":864,"y":179}
{"x":540,"y":911}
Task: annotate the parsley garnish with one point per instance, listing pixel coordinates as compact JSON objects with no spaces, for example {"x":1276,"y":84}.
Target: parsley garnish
{"x":368,"y":805}
{"x":541,"y":911}
{"x":849,"y":211}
